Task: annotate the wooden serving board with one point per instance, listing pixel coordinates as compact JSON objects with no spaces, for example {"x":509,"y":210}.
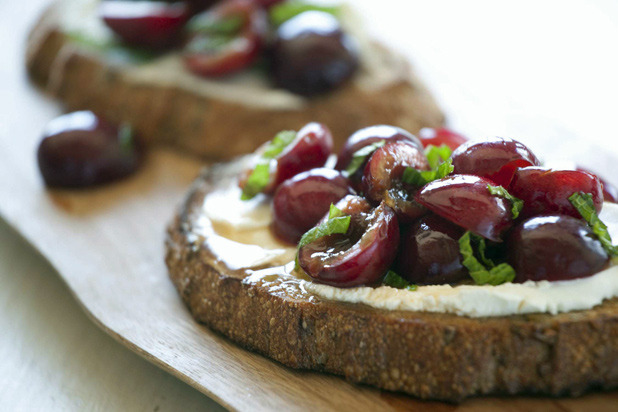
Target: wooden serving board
{"x":107,"y":245}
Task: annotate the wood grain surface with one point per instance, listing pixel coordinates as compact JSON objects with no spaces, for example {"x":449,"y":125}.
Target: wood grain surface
{"x":107,"y":245}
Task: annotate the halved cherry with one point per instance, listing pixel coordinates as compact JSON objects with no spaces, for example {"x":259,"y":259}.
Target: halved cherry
{"x":226,"y":38}
{"x":300,"y":202}
{"x":610,"y":192}
{"x":547,"y":191}
{"x":554,"y":247}
{"x":492,"y":158}
{"x":429,"y":252}
{"x":382,"y":178}
{"x":149,"y":24}
{"x":359,"y":257}
{"x":466,"y":201}
{"x":440,"y":136}
{"x":309,"y":149}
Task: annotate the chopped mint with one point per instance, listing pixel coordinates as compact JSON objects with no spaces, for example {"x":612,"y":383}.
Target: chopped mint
{"x":420,"y":178}
{"x":337,"y":223}
{"x":359,"y":157}
{"x":393,"y":280}
{"x":585,"y":206}
{"x":516,"y":204}
{"x":208,"y":23}
{"x":495,"y":275}
{"x":437,"y":154}
{"x":282,"y":12}
{"x":260,"y":176}
{"x":113,"y":49}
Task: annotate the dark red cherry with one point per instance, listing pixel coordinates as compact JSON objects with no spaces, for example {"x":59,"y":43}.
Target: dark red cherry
{"x":215,"y":49}
{"x":429,"y":252}
{"x":79,"y":149}
{"x":466,"y":201}
{"x":300,"y":202}
{"x":382,"y":178}
{"x":610,"y":192}
{"x":486,"y":158}
{"x":312,"y":55}
{"x":547,"y":191}
{"x":554,"y":247}
{"x":440,"y":136}
{"x":359,"y":257}
{"x":149,"y":24}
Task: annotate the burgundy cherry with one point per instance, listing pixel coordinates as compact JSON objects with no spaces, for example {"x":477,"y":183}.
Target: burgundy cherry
{"x":554,"y":247}
{"x":429,"y":252}
{"x":79,"y":149}
{"x":440,"y":136}
{"x":547,"y":191}
{"x":486,"y":158}
{"x":466,"y":201}
{"x":300,"y":202}
{"x":359,"y":257}
{"x":149,"y":24}
{"x":610,"y":192}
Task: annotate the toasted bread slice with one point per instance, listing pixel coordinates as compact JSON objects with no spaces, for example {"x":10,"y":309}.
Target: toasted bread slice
{"x":428,"y":355}
{"x":216,"y":118}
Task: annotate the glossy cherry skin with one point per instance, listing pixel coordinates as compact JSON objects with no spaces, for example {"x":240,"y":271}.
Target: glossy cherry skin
{"x":486,"y":158}
{"x":440,"y":136}
{"x":310,"y":149}
{"x":429,"y":252}
{"x":312,"y":55}
{"x":610,"y":192}
{"x":466,"y":201}
{"x":382,"y":178}
{"x":148,"y":24}
{"x":79,"y":149}
{"x":547,"y":191}
{"x":361,"y":256}
{"x":554,"y":247}
{"x":206,"y":55}
{"x":300,"y":202}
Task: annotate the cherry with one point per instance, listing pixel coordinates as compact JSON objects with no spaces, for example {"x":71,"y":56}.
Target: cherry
{"x":359,"y":257}
{"x":213,"y":51}
{"x":312,"y":55}
{"x":148,"y":24}
{"x":300,"y":202}
{"x":310,"y":148}
{"x":440,"y":136}
{"x":200,"y":5}
{"x":382,"y":178}
{"x":429,"y":252}
{"x":610,"y":192}
{"x":80,"y":149}
{"x":547,"y":191}
{"x":466,"y":201}
{"x":554,"y":247}
{"x":487,"y":158}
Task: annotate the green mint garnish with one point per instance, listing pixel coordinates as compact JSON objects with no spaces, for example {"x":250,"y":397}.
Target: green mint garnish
{"x":126,"y":139}
{"x":260,"y":176}
{"x":359,"y":157}
{"x":393,"y":280}
{"x":440,"y":164}
{"x":209,"y":23}
{"x":113,"y":49}
{"x":516,"y":204}
{"x":284,"y":11}
{"x":486,"y":273}
{"x":337,"y":223}
{"x":585,"y":206}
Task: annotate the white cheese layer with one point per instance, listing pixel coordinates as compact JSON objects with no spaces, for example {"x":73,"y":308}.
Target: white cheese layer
{"x":225,"y":208}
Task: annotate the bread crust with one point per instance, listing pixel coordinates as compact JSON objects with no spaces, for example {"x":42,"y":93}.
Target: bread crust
{"x":428,"y":355}
{"x":204,"y":125}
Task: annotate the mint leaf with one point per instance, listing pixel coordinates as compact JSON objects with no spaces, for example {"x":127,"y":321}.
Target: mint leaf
{"x":337,"y":223}
{"x":260,"y":176}
{"x":437,"y":154}
{"x":585,"y":206}
{"x":284,"y":11}
{"x":516,"y":204}
{"x":393,"y":280}
{"x":209,"y":23}
{"x":497,"y":275}
{"x":359,"y":157}
{"x":420,"y":178}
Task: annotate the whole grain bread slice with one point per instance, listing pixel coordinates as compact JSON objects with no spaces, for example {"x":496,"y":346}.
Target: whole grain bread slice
{"x":205,"y":124}
{"x":428,"y":355}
